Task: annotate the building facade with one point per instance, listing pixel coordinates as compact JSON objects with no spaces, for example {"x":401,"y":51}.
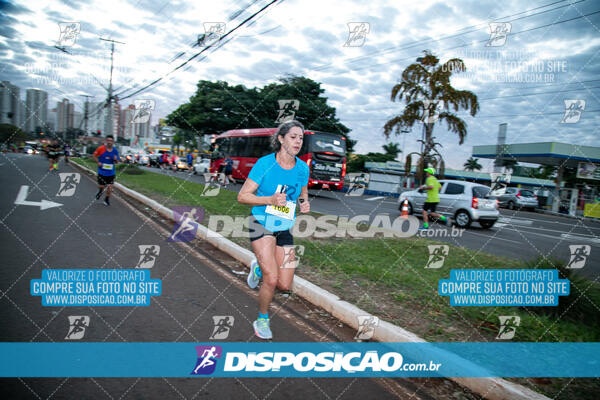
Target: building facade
{"x":36,"y":106}
{"x":10,"y":110}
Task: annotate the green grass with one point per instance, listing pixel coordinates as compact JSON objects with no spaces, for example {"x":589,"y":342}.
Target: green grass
{"x":390,"y":267}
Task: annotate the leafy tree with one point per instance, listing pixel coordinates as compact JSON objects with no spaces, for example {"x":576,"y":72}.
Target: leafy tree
{"x":73,"y":133}
{"x":392,"y":149}
{"x":313,"y":112}
{"x":472,"y":164}
{"x":544,"y":172}
{"x":425,"y":88}
{"x":508,"y":163}
{"x":217,"y":107}
{"x":356,"y":162}
{"x":12,"y":134}
{"x":176,"y":142}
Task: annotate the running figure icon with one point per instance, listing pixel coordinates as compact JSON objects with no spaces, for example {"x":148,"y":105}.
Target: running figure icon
{"x":207,"y":361}
{"x":68,"y":183}
{"x":185,"y":230}
{"x":77,"y":327}
{"x":148,"y":255}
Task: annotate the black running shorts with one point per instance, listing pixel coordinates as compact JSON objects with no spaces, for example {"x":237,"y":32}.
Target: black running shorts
{"x":257,"y":230}
{"x":104,"y":180}
{"x":429,"y":207}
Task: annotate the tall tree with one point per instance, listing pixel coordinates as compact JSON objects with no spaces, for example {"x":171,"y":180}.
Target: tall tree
{"x":392,"y":149}
{"x":472,"y":164}
{"x":217,"y":107}
{"x":508,"y":163}
{"x":12,"y":134}
{"x":176,"y":142}
{"x":425,"y":88}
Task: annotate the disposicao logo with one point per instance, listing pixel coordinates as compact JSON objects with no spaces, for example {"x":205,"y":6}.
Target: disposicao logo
{"x":207,"y":359}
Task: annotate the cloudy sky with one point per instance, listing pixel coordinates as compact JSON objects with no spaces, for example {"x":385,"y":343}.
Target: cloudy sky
{"x":550,"y":54}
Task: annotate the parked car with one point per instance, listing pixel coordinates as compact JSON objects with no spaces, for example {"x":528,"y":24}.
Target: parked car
{"x":28,"y":150}
{"x":516,"y":198}
{"x":201,"y":165}
{"x":180,"y":164}
{"x":465,"y":202}
{"x":142,"y":158}
{"x":128,"y":158}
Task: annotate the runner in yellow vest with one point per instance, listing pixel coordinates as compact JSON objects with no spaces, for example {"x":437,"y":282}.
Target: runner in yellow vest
{"x":432,"y":186}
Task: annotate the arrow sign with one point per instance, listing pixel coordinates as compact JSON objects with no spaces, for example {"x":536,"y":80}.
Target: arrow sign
{"x":22,"y":200}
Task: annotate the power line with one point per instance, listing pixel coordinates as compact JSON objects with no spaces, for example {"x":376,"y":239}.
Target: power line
{"x":180,"y":53}
{"x":533,"y":94}
{"x":517,"y":95}
{"x":203,"y":50}
{"x":478,"y":116}
{"x":480,"y":41}
{"x":455,"y":34}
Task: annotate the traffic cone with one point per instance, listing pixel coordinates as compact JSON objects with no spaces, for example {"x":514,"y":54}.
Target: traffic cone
{"x":404,"y":209}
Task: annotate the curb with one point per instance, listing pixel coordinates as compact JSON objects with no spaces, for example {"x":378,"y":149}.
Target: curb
{"x":489,"y":388}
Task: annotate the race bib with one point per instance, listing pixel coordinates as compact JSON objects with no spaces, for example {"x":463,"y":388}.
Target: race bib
{"x":107,"y":167}
{"x":288,"y":211}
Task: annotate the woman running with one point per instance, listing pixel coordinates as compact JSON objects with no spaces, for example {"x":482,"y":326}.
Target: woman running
{"x":273,"y":186}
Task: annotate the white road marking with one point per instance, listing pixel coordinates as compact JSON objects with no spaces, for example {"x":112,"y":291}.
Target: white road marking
{"x":515,"y":221}
{"x":577,"y":237}
{"x":488,"y":236}
{"x":555,"y":237}
{"x":375,"y":198}
{"x":43,"y":205}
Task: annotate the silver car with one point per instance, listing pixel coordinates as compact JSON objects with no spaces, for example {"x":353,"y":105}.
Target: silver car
{"x":515,"y":198}
{"x":201,"y":165}
{"x":465,"y":202}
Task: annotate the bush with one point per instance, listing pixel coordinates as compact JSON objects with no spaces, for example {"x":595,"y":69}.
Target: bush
{"x":581,"y":305}
{"x":129,"y":169}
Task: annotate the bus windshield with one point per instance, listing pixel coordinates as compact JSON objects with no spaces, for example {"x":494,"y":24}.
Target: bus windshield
{"x":323,"y":142}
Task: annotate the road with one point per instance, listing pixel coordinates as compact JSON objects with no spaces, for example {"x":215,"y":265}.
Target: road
{"x":521,"y":235}
{"x":198,"y":282}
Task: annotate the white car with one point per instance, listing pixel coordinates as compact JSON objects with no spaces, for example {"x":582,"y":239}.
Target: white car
{"x":465,"y":202}
{"x":201,"y":165}
{"x":143,"y":159}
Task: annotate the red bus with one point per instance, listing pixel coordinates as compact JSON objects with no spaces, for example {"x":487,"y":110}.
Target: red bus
{"x":325,"y":154}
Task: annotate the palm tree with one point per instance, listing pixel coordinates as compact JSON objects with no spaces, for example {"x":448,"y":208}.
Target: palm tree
{"x":472,"y":164}
{"x":429,"y":97}
{"x":392,"y":149}
{"x":508,"y":163}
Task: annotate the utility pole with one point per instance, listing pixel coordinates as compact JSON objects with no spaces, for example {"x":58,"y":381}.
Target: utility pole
{"x":108,"y":128}
{"x":86,"y":113}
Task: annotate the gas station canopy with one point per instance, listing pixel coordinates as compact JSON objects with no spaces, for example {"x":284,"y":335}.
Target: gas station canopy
{"x":545,"y":153}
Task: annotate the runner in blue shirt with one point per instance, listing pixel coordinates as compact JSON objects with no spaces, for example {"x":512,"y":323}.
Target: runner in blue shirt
{"x":106,"y":156}
{"x":276,"y":182}
{"x":190,"y":161}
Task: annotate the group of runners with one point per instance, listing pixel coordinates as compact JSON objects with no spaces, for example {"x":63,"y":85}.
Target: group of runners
{"x":54,"y":151}
{"x":276,"y":187}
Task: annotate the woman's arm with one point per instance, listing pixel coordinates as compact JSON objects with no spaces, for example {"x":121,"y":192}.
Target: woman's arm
{"x":303,"y":199}
{"x":247,"y":196}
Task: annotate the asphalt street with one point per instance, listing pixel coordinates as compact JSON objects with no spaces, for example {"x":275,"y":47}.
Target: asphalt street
{"x":198,"y":283}
{"x":521,"y":235}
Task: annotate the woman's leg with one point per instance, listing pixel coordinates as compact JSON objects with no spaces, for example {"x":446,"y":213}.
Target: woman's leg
{"x":264,"y":249}
{"x":286,"y":262}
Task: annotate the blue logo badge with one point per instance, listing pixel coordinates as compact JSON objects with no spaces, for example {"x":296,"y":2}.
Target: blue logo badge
{"x":186,"y":226}
{"x":207,"y":359}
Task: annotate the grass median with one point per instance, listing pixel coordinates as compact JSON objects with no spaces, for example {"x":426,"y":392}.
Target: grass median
{"x":388,"y":278}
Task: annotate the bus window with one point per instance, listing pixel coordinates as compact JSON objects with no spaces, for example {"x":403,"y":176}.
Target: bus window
{"x":239,"y":147}
{"x":259,"y":146}
{"x":224,"y":145}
